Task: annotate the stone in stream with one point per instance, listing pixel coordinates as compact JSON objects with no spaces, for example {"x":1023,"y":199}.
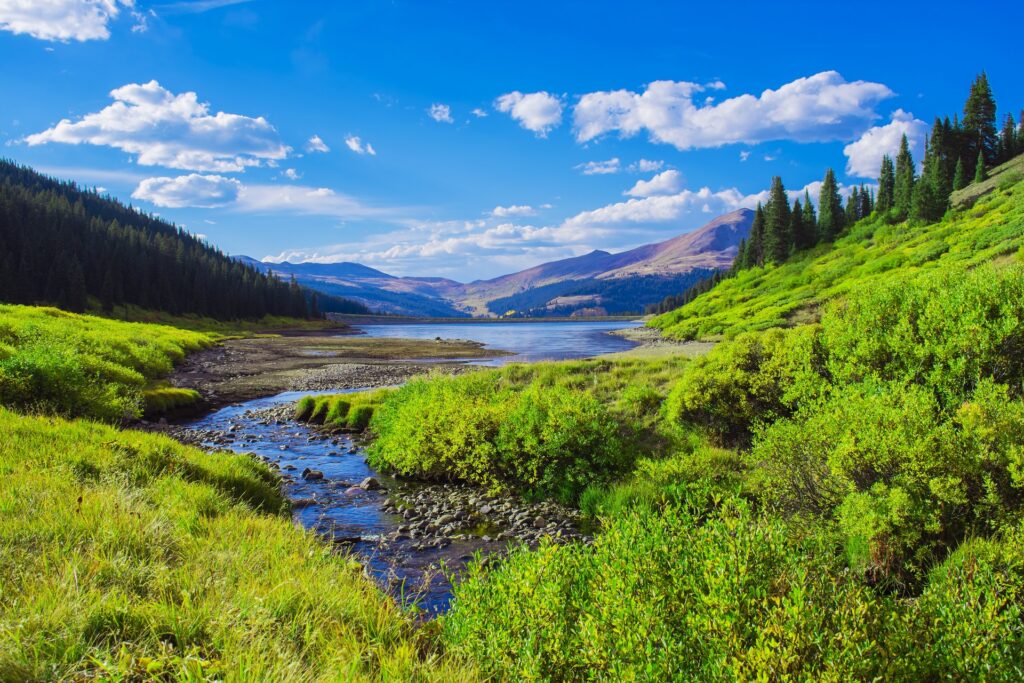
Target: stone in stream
{"x":370,"y":484}
{"x":312,"y":475}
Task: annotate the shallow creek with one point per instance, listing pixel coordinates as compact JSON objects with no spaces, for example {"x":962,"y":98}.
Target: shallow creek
{"x":411,"y":537}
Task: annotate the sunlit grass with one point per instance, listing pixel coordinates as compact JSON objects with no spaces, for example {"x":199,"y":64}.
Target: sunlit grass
{"x":126,"y":556}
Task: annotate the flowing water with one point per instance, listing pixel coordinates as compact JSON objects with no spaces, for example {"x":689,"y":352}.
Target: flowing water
{"x":403,"y":560}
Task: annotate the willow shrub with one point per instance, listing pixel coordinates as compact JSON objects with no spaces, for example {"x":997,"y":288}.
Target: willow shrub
{"x":539,"y":439}
{"x":690,"y":592}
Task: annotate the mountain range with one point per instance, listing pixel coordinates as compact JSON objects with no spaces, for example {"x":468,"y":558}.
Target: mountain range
{"x":596,"y":283}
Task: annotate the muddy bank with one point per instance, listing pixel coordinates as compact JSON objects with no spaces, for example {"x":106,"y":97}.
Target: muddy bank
{"x":242,"y":369}
{"x":651,"y":343}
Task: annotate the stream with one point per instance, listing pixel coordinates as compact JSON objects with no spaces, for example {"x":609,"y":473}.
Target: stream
{"x":412,"y":538}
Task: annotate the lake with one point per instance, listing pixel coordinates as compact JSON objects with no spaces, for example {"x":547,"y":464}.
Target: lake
{"x":528,"y":342}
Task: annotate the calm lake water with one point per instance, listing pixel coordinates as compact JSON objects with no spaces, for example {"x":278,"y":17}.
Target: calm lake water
{"x":529,"y":342}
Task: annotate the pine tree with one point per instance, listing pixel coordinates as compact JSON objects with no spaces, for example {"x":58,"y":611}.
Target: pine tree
{"x":755,"y":247}
{"x":980,"y":119}
{"x":777,"y":238}
{"x":810,"y":220}
{"x":980,"y":175}
{"x":903,"y":190}
{"x":1008,"y":140}
{"x":886,"y":185}
{"x":1020,"y":133}
{"x":740,"y":262}
{"x":853,"y":207}
{"x":801,"y":238}
{"x":830,"y":209}
{"x":867,"y":202}
{"x":960,"y":176}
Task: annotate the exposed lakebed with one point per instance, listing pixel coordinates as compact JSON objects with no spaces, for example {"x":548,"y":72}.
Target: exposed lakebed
{"x":411,"y":537}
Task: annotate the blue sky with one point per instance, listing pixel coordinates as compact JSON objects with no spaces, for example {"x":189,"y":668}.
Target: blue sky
{"x":470,"y":139}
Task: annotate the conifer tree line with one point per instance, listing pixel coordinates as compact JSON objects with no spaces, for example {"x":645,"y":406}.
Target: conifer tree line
{"x":957,"y":153}
{"x":62,"y":245}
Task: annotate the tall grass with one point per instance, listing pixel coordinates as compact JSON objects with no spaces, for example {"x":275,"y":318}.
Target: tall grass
{"x":79,"y":365}
{"x":126,"y":556}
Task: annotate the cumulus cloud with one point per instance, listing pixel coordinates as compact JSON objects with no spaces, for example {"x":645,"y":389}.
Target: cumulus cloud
{"x":537,"y":111}
{"x":666,"y":182}
{"x":292,"y":174}
{"x":62,"y":20}
{"x":316,"y":144}
{"x":479,"y":113}
{"x":646,"y":166}
{"x":204,"y":191}
{"x":608,"y":167}
{"x":441,"y":113}
{"x":514,"y":210}
{"x":354,"y":143}
{"x":817,"y":108}
{"x":175,"y":131}
{"x":864,"y":156}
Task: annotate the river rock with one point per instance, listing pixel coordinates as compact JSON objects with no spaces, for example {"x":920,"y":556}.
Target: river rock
{"x":370,"y":484}
{"x":540,"y":523}
{"x":312,"y":475}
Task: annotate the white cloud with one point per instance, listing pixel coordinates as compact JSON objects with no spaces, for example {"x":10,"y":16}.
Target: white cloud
{"x":646,"y":166}
{"x":514,"y":210}
{"x":316,"y":144}
{"x":864,"y":156}
{"x":537,"y":111}
{"x":818,"y":108}
{"x":292,"y":174}
{"x":305,"y":200}
{"x":666,"y":182}
{"x":599,"y":167}
{"x":479,"y":113}
{"x":62,"y":20}
{"x":205,"y":191}
{"x":176,"y":131}
{"x":354,"y":143}
{"x":744,"y":155}
{"x":662,"y":208}
{"x":441,"y":113}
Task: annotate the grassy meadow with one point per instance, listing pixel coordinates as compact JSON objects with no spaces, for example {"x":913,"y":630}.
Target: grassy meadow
{"x":126,"y":556}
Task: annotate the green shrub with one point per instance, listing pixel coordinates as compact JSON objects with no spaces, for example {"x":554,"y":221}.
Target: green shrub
{"x":546,"y":440}
{"x":753,"y":379}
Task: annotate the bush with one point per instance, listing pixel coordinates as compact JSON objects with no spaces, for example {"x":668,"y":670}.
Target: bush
{"x":342,"y":411}
{"x":754,"y":379}
{"x":545,"y":440}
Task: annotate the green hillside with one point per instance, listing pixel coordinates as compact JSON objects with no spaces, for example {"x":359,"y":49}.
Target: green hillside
{"x":870,"y":252}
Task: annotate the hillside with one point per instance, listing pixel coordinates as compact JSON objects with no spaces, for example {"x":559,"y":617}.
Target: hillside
{"x":870,"y":252}
{"x":77,"y":249}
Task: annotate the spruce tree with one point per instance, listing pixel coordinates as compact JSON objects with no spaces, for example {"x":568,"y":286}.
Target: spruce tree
{"x":801,"y":239}
{"x":853,"y":206}
{"x":886,"y":185}
{"x":980,"y":119}
{"x":1008,"y":140}
{"x":810,"y":220}
{"x":867,"y":202}
{"x":980,"y":174}
{"x":777,"y":238}
{"x":755,"y":247}
{"x":903,"y":190}
{"x":960,"y":176}
{"x":830,"y":209}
